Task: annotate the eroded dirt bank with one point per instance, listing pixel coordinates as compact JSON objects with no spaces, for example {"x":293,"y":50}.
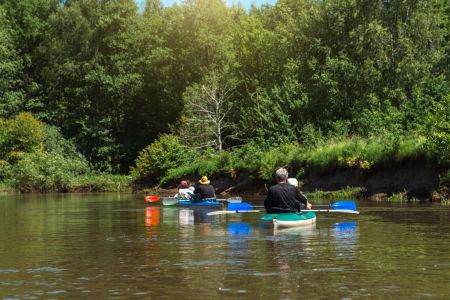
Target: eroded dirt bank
{"x":418,"y":178}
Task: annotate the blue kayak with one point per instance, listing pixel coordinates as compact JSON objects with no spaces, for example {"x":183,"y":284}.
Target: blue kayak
{"x":198,"y":204}
{"x":172,"y":201}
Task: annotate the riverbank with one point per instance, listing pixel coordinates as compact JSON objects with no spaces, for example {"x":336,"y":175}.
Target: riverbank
{"x":408,"y":181}
{"x":79,"y":184}
{"x":379,"y":167}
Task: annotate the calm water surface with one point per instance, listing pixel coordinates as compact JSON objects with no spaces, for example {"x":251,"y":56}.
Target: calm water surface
{"x":116,"y":246}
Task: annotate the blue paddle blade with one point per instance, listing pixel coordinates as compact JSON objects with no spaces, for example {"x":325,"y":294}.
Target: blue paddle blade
{"x":240,"y":206}
{"x":347,"y":205}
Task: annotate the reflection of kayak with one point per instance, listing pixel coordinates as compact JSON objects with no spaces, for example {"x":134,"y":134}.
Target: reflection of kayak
{"x":290,"y":219}
{"x":210,"y":202}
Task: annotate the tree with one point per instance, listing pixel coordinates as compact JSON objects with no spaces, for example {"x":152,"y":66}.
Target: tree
{"x":206,"y":117}
{"x":11,"y":96}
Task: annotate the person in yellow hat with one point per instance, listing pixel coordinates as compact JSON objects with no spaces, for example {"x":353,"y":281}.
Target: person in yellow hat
{"x":205,"y":191}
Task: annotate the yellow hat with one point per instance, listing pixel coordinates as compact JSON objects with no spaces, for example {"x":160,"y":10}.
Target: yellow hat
{"x":204,"y":180}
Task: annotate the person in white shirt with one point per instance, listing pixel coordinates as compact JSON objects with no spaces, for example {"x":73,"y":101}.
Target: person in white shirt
{"x":184,"y":190}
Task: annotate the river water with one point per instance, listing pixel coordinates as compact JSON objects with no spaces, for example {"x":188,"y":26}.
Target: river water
{"x":115,"y":246}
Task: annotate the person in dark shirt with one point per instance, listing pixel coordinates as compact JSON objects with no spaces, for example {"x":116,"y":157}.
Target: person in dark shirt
{"x":205,"y":191}
{"x":283,"y":197}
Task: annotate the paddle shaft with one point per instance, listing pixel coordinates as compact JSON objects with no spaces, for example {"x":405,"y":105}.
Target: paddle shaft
{"x":225,"y":212}
{"x":223,"y":200}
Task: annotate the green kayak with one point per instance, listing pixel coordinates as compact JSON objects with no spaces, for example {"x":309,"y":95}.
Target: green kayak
{"x":290,"y":219}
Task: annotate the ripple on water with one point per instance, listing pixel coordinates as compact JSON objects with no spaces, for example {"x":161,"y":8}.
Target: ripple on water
{"x":45,"y":269}
{"x":233,"y":291}
{"x":56,"y":292}
{"x":328,"y":269}
{"x":6,"y":271}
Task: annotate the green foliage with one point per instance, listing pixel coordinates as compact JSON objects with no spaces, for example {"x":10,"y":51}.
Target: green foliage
{"x":11,"y":96}
{"x":112,"y":78}
{"x":398,"y":197}
{"x":278,"y":157}
{"x":100,"y":183}
{"x":277,"y":114}
{"x":346,"y":193}
{"x":55,"y":142}
{"x":444,"y":179}
{"x":363,"y":154}
{"x":161,"y":156}
{"x":19,"y":135}
{"x":44,"y":172}
{"x":354,"y":153}
{"x":439,"y":140}
{"x":36,"y":157}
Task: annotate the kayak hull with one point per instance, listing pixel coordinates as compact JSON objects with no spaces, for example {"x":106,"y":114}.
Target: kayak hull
{"x":286,"y":220}
{"x":199,"y":204}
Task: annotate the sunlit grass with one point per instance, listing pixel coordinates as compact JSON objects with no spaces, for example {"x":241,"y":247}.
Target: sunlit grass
{"x":398,"y":197}
{"x":346,"y":193}
{"x":354,"y":153}
{"x":101,"y":183}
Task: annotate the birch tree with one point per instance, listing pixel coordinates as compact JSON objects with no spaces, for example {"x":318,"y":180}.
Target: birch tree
{"x":206,"y":118}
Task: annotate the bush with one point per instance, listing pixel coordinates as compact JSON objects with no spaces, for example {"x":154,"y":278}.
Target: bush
{"x":44,"y":172}
{"x":439,"y":139}
{"x":55,"y":142}
{"x":364,"y":153}
{"x":281,"y":156}
{"x":22,"y":134}
{"x":163,"y":155}
{"x":444,"y":179}
{"x":100,"y":183}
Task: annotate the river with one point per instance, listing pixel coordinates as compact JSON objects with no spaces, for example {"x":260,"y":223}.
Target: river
{"x":115,"y":246}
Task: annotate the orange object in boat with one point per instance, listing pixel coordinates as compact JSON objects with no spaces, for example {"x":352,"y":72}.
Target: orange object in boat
{"x":151,"y":198}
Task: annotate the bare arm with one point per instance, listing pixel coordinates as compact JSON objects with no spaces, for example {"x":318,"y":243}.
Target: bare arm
{"x":302,"y":198}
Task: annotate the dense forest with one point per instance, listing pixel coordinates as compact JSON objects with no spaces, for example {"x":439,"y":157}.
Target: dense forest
{"x":91,"y":87}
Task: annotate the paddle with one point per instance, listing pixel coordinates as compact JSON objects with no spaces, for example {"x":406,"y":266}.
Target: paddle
{"x":340,"y":205}
{"x":344,"y":205}
{"x":348,"y":207}
{"x":225,"y":212}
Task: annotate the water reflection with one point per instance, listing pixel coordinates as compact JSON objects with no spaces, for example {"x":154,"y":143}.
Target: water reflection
{"x":185,"y":216}
{"x":303,"y":231}
{"x":239,"y":229}
{"x":152,"y":216}
{"x":188,"y":216}
{"x":346,"y":237}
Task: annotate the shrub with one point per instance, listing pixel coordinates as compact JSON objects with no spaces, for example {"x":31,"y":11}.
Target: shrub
{"x":43,"y":172}
{"x":100,"y":183}
{"x":283,"y":155}
{"x":439,"y":139}
{"x":208,"y":163}
{"x":444,"y":179}
{"x":22,"y":134}
{"x":163,"y":155}
{"x":55,"y":142}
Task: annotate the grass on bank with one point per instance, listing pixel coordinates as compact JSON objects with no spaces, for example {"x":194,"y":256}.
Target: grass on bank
{"x":5,"y":189}
{"x":101,"y":183}
{"x":343,"y":194}
{"x":81,"y":183}
{"x":352,"y":153}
